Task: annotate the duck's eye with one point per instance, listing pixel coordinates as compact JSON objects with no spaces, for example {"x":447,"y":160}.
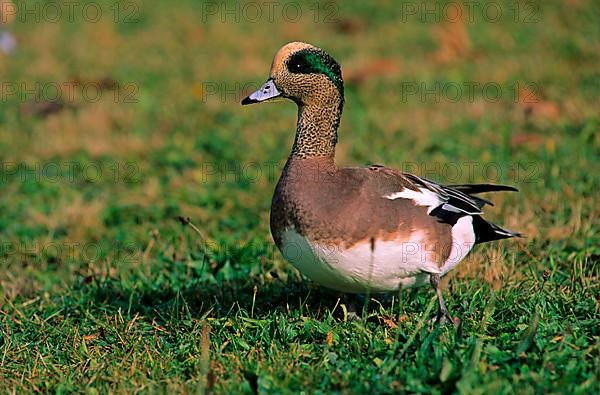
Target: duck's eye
{"x":298,"y":64}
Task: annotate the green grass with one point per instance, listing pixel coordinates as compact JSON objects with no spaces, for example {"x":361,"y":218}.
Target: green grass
{"x":102,"y":289}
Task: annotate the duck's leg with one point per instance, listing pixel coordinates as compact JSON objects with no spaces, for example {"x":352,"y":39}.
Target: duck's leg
{"x":442,"y":316}
{"x":352,"y":302}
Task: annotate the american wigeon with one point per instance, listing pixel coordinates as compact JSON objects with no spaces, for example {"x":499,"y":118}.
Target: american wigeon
{"x":361,"y":229}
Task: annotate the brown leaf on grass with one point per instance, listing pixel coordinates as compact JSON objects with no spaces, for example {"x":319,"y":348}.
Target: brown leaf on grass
{"x":378,"y":67}
{"x":88,"y":338}
{"x":41,"y":108}
{"x":532,"y":140}
{"x":329,"y":338}
{"x":102,"y":83}
{"x":573,"y":4}
{"x":452,"y":36}
{"x":529,"y":101}
{"x":389,"y":322}
{"x":349,"y":25}
{"x":546,"y":109}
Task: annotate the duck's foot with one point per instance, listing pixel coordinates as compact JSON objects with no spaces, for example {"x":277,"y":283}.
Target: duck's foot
{"x":350,"y":307}
{"x":442,"y":317}
{"x":353,"y":316}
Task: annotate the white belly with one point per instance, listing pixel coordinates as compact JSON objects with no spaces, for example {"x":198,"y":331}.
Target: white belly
{"x":389,"y":266}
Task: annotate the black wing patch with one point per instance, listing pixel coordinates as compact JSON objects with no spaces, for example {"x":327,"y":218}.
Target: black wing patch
{"x":457,"y":203}
{"x":454,"y":200}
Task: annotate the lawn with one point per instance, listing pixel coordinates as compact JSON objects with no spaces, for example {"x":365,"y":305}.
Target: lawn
{"x":120,"y":122}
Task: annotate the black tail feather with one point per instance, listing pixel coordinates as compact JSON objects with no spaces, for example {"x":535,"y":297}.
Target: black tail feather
{"x":487,"y":231}
{"x":481,"y":188}
{"x":471,"y":189}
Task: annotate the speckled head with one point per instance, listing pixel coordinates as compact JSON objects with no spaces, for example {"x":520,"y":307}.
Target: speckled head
{"x":303,"y":73}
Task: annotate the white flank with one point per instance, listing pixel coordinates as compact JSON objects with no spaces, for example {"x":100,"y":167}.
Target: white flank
{"x":422,"y":197}
{"x":392,"y":264}
{"x":463,"y":239}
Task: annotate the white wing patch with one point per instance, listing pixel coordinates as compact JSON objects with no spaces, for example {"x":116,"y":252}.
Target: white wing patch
{"x":422,"y":197}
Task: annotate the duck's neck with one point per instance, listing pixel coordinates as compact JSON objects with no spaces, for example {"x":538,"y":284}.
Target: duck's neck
{"x":316,"y":131}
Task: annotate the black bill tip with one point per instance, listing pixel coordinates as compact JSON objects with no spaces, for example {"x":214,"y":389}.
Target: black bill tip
{"x":248,"y":100}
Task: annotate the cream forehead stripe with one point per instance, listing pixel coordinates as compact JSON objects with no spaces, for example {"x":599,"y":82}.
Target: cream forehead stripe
{"x":285,"y":52}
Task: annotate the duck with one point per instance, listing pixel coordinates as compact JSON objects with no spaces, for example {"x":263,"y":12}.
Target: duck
{"x":361,"y":230}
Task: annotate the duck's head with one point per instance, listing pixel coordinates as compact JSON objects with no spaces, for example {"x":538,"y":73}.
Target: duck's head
{"x":303,"y":73}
